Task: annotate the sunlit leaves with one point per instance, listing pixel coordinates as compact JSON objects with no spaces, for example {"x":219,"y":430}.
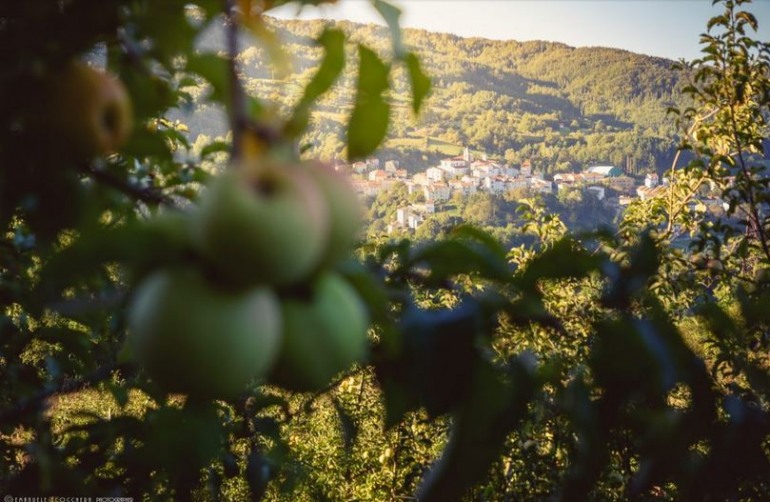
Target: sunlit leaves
{"x":369,"y":121}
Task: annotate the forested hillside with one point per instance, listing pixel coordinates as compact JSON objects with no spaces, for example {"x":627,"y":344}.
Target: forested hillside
{"x":561,"y":106}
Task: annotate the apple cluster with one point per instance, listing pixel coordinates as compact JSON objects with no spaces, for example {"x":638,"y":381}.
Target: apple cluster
{"x":261,"y":300}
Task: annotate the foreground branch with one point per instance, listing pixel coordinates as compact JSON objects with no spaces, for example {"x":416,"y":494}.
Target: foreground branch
{"x":148,"y":195}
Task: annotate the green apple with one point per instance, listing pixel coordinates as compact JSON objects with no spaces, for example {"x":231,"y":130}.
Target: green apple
{"x":263,"y":224}
{"x":344,"y":210}
{"x":324,"y":333}
{"x":87,"y":112}
{"x":195,"y":339}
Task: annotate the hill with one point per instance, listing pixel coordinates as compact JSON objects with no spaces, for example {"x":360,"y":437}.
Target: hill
{"x":561,"y":106}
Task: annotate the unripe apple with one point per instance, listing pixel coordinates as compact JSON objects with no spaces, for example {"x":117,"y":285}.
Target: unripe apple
{"x":195,"y":339}
{"x":86,"y":111}
{"x":344,"y":210}
{"x":324,"y":333}
{"x":263,"y":224}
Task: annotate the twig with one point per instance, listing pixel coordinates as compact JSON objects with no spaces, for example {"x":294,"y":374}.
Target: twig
{"x":148,"y":195}
{"x":238,"y":118}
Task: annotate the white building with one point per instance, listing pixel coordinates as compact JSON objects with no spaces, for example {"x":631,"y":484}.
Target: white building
{"x":435,"y":174}
{"x":437,"y":191}
{"x":481,"y":168}
{"x":494,"y":184}
{"x":453,"y":163}
{"x":605,"y":170}
{"x":415,"y":220}
{"x":526,"y":169}
{"x":541,"y":185}
{"x":391,"y":166}
{"x":513,"y":183}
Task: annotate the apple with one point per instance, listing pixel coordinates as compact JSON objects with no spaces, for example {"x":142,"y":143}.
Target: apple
{"x":344,"y":210}
{"x":324,"y":333}
{"x":263,"y":223}
{"x":87,"y":112}
{"x":195,"y":339}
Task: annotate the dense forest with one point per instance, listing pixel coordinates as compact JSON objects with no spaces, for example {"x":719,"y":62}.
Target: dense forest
{"x":560,"y":106}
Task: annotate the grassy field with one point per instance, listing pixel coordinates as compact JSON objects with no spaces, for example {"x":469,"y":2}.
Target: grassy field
{"x":433,"y":145}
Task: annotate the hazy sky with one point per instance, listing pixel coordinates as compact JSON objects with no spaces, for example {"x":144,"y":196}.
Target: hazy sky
{"x":668,"y":28}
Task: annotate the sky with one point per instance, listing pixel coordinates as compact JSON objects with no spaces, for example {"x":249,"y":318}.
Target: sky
{"x":666,"y":28}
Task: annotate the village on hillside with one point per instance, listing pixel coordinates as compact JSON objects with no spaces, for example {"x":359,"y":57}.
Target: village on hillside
{"x":466,"y":175}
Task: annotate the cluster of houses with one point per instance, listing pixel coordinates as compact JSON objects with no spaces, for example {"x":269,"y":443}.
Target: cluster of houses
{"x":456,"y":174}
{"x":465,"y":175}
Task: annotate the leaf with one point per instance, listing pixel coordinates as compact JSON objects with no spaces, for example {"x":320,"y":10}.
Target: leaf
{"x":369,"y":120}
{"x":333,"y":42}
{"x":439,"y":355}
{"x":446,"y":259}
{"x":421,"y":84}
{"x":476,"y":234}
{"x":391,"y":14}
{"x":748,"y":18}
{"x":494,"y":408}
{"x":184,"y":440}
{"x":214,"y":147}
{"x":561,"y":261}
{"x":72,"y":341}
{"x":215,"y":70}
{"x":253,"y":20}
{"x":169,"y":28}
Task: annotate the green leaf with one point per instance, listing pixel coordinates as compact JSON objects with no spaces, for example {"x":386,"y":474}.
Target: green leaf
{"x":473,"y":233}
{"x":494,"y":408}
{"x":369,"y":120}
{"x":166,"y":24}
{"x":439,"y":355}
{"x":214,"y":69}
{"x":214,"y":147}
{"x":448,"y":258}
{"x":561,"y":261}
{"x":421,"y":84}
{"x":391,"y":14}
{"x":333,"y":42}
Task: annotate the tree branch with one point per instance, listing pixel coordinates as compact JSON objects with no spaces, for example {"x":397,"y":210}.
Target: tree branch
{"x":238,"y":117}
{"x":149,"y":195}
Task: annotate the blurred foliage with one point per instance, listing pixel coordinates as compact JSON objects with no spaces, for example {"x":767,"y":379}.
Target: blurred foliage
{"x":580,"y":366}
